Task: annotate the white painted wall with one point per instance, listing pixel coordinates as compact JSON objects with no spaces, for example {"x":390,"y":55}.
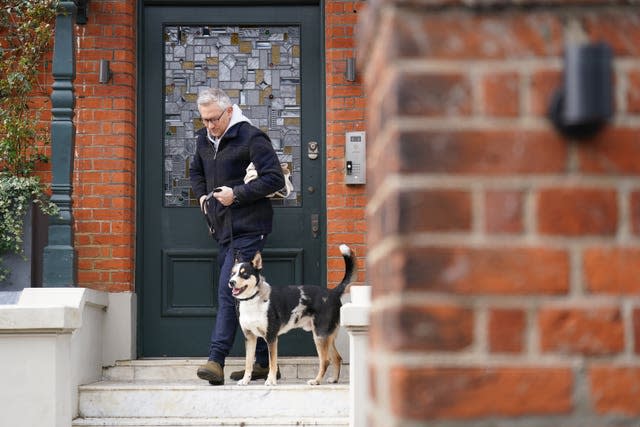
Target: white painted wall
{"x":53,"y":340}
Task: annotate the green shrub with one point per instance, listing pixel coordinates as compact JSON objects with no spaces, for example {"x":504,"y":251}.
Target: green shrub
{"x":26,"y":34}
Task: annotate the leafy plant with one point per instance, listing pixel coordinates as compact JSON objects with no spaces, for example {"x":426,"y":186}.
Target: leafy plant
{"x":26,"y":30}
{"x":16,"y":193}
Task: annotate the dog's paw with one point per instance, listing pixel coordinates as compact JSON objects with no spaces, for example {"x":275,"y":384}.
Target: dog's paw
{"x":244,"y":381}
{"x":313,"y":382}
{"x":332,"y":380}
{"x":271,"y":382}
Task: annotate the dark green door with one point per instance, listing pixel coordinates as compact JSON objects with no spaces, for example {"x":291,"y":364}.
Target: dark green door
{"x":268,"y":59}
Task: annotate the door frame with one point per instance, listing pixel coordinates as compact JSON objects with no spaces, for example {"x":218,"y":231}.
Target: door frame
{"x":139,"y":188}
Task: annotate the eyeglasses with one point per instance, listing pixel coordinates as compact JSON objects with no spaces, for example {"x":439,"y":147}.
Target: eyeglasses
{"x":214,"y":121}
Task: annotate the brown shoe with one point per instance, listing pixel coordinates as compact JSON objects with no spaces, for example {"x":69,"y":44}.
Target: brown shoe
{"x":212,"y":372}
{"x":258,"y":373}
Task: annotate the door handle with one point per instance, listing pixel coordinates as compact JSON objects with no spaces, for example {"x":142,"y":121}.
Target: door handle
{"x":315,"y":225}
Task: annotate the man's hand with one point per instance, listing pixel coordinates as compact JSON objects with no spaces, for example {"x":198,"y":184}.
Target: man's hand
{"x":224,"y":196}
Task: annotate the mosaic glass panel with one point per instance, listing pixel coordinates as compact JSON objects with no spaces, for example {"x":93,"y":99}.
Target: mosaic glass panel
{"x":258,"y":67}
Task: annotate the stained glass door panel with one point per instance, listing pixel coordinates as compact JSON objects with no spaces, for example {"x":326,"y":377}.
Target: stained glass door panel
{"x":257,"y":66}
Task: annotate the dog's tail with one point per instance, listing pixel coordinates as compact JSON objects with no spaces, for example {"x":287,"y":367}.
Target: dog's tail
{"x":350,"y":268}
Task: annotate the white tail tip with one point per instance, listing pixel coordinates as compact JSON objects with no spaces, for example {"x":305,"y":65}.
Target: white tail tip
{"x":345,"y":250}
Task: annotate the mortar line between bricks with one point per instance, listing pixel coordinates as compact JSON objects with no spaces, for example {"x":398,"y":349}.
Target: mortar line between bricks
{"x":460,"y":123}
{"x":477,"y":360}
{"x":481,"y":66}
{"x":516,"y":181}
{"x":628,"y":327}
{"x":624,"y":211}
{"x":575,"y":271}
{"x":489,"y":241}
{"x":421,"y":299}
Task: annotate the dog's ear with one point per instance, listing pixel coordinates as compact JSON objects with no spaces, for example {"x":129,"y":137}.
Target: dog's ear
{"x":257,"y":261}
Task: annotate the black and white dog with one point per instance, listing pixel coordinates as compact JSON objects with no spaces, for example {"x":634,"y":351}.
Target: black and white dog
{"x":268,"y":312}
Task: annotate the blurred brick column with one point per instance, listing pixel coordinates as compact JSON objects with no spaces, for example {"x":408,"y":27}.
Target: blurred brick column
{"x":504,"y":258}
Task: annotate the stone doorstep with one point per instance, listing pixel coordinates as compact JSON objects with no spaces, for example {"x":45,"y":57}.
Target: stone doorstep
{"x":209,"y":422}
{"x":191,"y":399}
{"x":166,"y":392}
{"x":292,"y":369}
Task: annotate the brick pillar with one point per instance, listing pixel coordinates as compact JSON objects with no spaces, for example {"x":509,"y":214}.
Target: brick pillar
{"x":503,"y":257}
{"x":345,"y":103}
{"x":104,"y":181}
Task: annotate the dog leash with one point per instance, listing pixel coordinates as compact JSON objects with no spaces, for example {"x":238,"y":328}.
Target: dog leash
{"x":205,"y":211}
{"x":229,"y":224}
{"x":227,"y":219}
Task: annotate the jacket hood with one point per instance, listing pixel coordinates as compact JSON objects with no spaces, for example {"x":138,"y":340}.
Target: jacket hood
{"x":237,"y":116}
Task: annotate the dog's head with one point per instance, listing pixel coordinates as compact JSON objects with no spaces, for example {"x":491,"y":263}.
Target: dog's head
{"x":245,"y":277}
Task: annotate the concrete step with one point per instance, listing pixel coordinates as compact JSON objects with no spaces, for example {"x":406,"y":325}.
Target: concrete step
{"x":167,"y":392}
{"x":209,"y":422}
{"x":175,"y":369}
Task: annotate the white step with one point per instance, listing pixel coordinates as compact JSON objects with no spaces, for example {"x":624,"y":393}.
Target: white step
{"x":167,"y":392}
{"x":170,"y":369}
{"x":209,"y":422}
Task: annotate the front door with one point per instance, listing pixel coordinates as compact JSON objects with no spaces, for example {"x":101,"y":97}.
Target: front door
{"x":268,"y":59}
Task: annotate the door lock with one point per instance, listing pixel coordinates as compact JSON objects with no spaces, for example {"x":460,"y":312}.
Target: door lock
{"x":313,"y":149}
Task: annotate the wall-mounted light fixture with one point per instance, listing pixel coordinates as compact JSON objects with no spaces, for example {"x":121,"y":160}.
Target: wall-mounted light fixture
{"x":105,"y":72}
{"x":81,"y":11}
{"x":583,"y":105}
{"x":350,"y":73}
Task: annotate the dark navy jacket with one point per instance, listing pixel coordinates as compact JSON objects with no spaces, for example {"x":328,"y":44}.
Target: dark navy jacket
{"x":242,"y":144}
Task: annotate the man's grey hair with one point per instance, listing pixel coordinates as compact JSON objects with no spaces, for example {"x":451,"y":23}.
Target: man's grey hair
{"x":214,"y":95}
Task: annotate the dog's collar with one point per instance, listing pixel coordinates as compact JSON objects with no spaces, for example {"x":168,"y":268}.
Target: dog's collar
{"x":251,"y":297}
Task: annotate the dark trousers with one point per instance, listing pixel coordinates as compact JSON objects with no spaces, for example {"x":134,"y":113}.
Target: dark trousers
{"x":224,"y":331}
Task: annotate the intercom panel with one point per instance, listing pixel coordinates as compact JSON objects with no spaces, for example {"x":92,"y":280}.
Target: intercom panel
{"x":355,"y":157}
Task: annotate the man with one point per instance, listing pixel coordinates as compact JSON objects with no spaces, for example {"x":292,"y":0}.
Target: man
{"x":240,"y":216}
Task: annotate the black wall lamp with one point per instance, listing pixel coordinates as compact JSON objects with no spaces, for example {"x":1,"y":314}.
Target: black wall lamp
{"x":104,"y":74}
{"x":350,"y":73}
{"x":583,"y":104}
{"x":81,"y":12}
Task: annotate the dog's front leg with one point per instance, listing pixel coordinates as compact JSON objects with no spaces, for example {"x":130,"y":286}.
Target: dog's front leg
{"x":250,"y":354}
{"x":272,"y":378}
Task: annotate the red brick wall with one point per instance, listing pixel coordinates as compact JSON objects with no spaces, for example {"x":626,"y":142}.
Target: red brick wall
{"x":104,"y":169}
{"x":104,"y":178}
{"x":345,"y":106}
{"x":503,"y":257}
